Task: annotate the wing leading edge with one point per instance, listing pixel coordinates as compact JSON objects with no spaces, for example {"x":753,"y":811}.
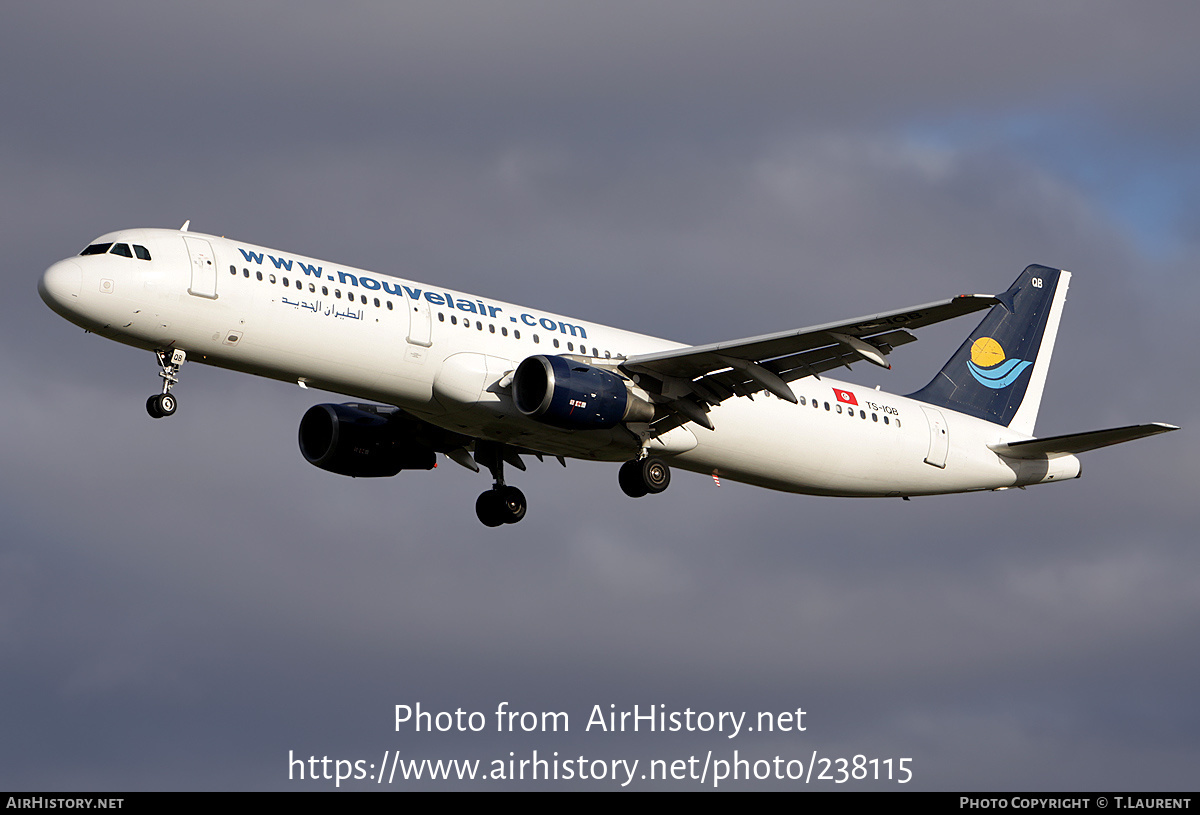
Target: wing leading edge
{"x":689,"y":380}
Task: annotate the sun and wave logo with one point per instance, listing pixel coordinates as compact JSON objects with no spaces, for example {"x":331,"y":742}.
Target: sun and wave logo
{"x":989,"y":366}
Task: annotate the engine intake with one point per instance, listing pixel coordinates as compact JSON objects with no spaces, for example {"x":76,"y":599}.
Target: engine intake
{"x":561,"y":392}
{"x":349,"y":441}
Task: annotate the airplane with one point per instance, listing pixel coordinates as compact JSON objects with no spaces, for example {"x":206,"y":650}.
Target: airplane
{"x":485,"y":382}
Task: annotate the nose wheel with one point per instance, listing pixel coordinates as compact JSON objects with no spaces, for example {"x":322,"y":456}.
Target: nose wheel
{"x":647,"y":476}
{"x":163,"y":404}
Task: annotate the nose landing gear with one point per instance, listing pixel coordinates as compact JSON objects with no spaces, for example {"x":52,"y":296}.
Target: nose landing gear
{"x":163,"y":404}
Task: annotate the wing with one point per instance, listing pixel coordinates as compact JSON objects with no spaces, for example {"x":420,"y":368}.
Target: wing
{"x":1055,"y":446}
{"x":688,"y":380}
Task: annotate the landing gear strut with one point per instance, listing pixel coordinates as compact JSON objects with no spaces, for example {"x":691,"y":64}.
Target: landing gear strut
{"x":164,"y":404}
{"x":647,"y":476}
{"x":501,"y":504}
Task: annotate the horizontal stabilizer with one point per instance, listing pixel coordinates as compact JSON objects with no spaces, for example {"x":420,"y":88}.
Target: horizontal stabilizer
{"x":1072,"y":443}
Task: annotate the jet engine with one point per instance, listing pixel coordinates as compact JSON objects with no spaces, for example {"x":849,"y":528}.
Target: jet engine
{"x":348,"y":440}
{"x":571,"y":395}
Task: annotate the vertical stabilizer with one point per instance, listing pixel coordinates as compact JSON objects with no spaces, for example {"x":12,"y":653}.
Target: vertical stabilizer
{"x":999,"y":373}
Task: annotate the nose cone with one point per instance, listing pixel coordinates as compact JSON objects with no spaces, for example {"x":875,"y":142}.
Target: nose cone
{"x":60,"y":285}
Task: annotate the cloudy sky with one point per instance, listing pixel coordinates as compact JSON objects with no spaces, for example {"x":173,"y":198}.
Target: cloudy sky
{"x":186,"y":603}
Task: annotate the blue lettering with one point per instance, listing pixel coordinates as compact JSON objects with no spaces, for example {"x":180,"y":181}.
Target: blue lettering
{"x":528,"y":320}
{"x":565,"y":327}
{"x":315,"y":271}
{"x":256,"y":257}
{"x":465,"y":305}
{"x":369,"y":283}
{"x":434,"y":298}
{"x":392,"y":288}
{"x":280,"y":263}
{"x":415,"y":294}
{"x":347,"y":279}
{"x":548,"y":324}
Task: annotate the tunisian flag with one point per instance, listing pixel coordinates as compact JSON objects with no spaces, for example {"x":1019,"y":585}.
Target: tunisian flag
{"x":845,"y":396}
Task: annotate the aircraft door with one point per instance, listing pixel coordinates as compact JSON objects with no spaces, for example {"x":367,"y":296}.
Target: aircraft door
{"x":939,"y":438}
{"x":420,"y":322}
{"x":204,"y":267}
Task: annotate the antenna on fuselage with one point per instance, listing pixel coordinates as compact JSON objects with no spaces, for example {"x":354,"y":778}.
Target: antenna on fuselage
{"x":186,"y":224}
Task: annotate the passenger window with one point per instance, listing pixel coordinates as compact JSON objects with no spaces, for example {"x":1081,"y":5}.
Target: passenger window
{"x":233,"y":270}
{"x":246,"y":273}
{"x":555,"y":343}
{"x":142,"y":252}
{"x":122,"y":249}
{"x":258,"y":275}
{"x":272,"y":279}
{"x":389,"y":302}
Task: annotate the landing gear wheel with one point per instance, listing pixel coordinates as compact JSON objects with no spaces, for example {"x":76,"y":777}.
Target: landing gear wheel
{"x":160,"y":405}
{"x":645,"y":477}
{"x":630,"y":479}
{"x":656,"y":475}
{"x":488,"y":508}
{"x":512,"y":500}
{"x":167,"y":404}
{"x":502,"y":505}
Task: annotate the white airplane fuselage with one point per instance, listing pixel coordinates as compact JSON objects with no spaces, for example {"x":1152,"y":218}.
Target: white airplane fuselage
{"x":447,"y":357}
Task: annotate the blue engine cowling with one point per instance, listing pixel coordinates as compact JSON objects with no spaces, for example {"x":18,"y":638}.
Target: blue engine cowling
{"x":349,"y":441}
{"x":574,"y":396}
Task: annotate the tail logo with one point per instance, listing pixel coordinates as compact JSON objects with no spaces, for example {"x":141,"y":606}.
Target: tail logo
{"x":989,"y":366}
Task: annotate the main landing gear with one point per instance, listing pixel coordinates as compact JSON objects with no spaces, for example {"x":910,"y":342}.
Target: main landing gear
{"x":645,"y":476}
{"x":501,"y":504}
{"x":164,"y":404}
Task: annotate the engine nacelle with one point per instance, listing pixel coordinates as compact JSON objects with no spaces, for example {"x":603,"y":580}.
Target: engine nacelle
{"x":568,"y":394}
{"x":349,"y":441}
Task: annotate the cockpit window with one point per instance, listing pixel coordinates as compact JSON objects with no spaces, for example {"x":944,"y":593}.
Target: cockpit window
{"x":122,"y":249}
{"x":96,"y":249}
{"x":142,"y":252}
